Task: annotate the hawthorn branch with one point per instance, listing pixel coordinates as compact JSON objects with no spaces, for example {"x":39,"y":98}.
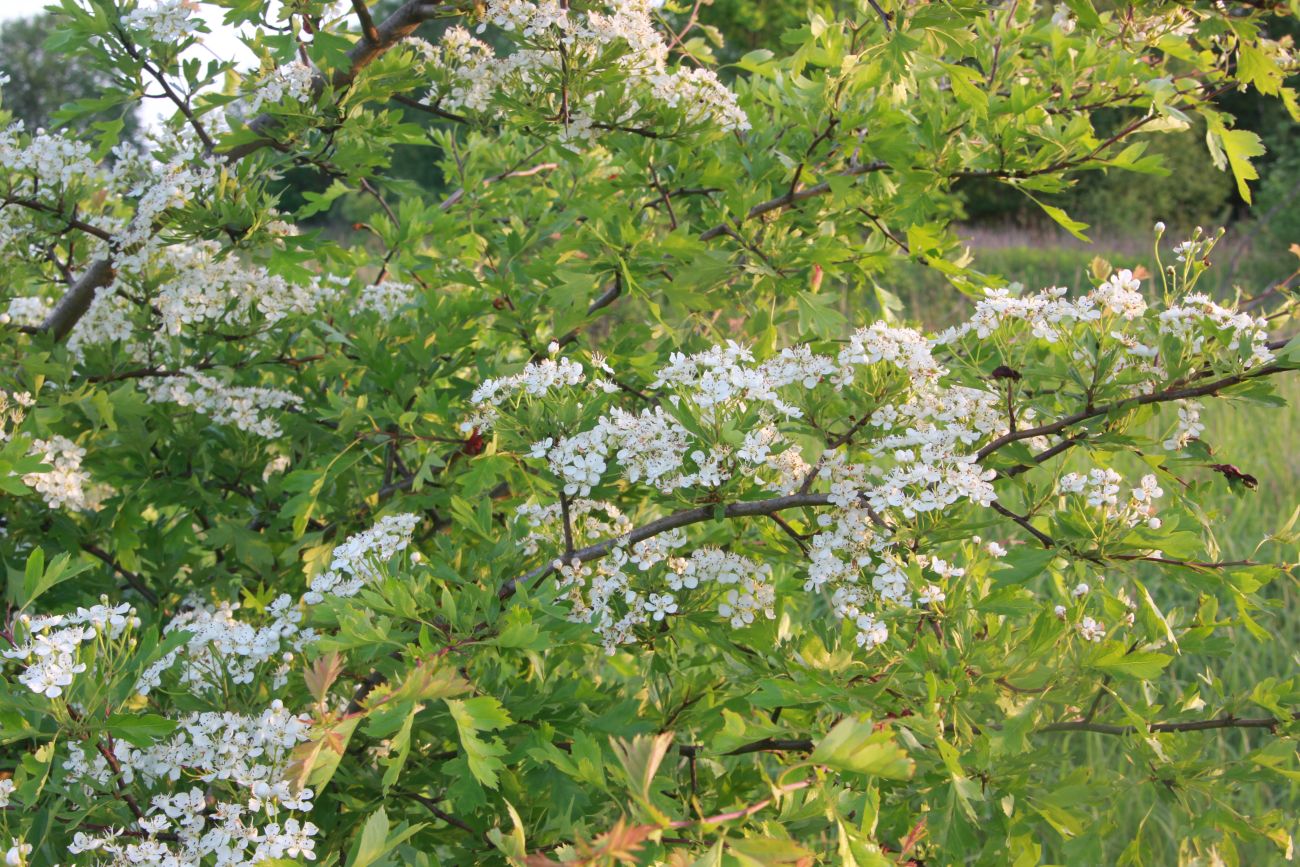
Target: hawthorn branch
{"x":884,"y":16}
{"x":766,"y":745}
{"x":367,"y":23}
{"x":515,"y":171}
{"x":71,"y":220}
{"x":683,"y":518}
{"x":1044,"y":455}
{"x":391,"y":31}
{"x":793,"y":197}
{"x":118,"y":782}
{"x":76,"y":301}
{"x":1189,"y":564}
{"x":1023,"y":521}
{"x":1228,"y":721}
{"x":135,"y":581}
{"x":744,"y":812}
{"x":1177,"y":392}
{"x":434,"y":110}
{"x":800,"y":539}
{"x":432,"y":806}
{"x":603,"y":300}
{"x":396,"y":27}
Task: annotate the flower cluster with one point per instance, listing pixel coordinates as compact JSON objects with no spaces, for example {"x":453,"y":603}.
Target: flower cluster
{"x":223,"y":786}
{"x":386,"y":298}
{"x":536,"y":379}
{"x":156,"y":186}
{"x":292,"y":82}
{"x":170,"y":22}
{"x":1189,"y":426}
{"x":66,"y":485}
{"x":556,"y":40}
{"x":30,"y":310}
{"x":610,"y":596}
{"x":361,"y":557}
{"x":238,"y":815}
{"x":184,"y":285}
{"x":203,"y":286}
{"x":40,"y":172}
{"x":922,"y":439}
{"x":916,"y":452}
{"x":222,"y":650}
{"x":49,"y":161}
{"x":13,"y":409}
{"x":1100,"y":489}
{"x":590,"y":521}
{"x":244,"y":407}
{"x":1199,"y":319}
{"x":50,"y":650}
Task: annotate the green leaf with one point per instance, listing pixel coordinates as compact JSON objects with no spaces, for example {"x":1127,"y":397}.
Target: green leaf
{"x":759,"y":851}
{"x":32,"y":574}
{"x":1257,"y":68}
{"x":39,"y":578}
{"x":1062,"y":219}
{"x":640,"y":757}
{"x":372,"y":843}
{"x":399,"y":750}
{"x":1085,"y":12}
{"x":140,"y":730}
{"x":314,"y":761}
{"x":817,"y":315}
{"x":852,"y":745}
{"x":1023,"y":563}
{"x":473,"y":716}
{"x":1239,"y":146}
{"x":1141,"y":665}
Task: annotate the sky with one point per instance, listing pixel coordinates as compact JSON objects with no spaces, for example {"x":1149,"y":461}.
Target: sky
{"x":222,"y":42}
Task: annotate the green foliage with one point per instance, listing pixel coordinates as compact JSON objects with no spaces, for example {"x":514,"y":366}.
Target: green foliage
{"x":201,"y":409}
{"x":41,"y":80}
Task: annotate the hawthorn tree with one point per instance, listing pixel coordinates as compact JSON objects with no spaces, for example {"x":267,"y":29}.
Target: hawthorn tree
{"x":607,"y":509}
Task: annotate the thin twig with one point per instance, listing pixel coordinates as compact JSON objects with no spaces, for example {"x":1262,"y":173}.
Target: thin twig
{"x":367,"y":23}
{"x":135,"y":581}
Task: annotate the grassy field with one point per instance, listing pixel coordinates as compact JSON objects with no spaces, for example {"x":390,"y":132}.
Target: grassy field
{"x":1046,"y":256}
{"x":1260,"y":440}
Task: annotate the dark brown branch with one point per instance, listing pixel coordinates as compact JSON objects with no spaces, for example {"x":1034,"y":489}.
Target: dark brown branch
{"x":71,"y":221}
{"x":393,"y":30}
{"x":884,"y":16}
{"x":428,"y":109}
{"x":432,"y":806}
{"x":1169,"y":394}
{"x":515,"y":171}
{"x":744,"y":812}
{"x":76,"y":301}
{"x":603,"y":300}
{"x":1224,"y":722}
{"x":135,"y":581}
{"x":766,"y":745}
{"x":1189,"y":564}
{"x":792,"y":198}
{"x":368,"y":28}
{"x":118,"y":783}
{"x":1023,"y":521}
{"x":800,"y":539}
{"x":684,"y":518}
{"x":1044,"y":455}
